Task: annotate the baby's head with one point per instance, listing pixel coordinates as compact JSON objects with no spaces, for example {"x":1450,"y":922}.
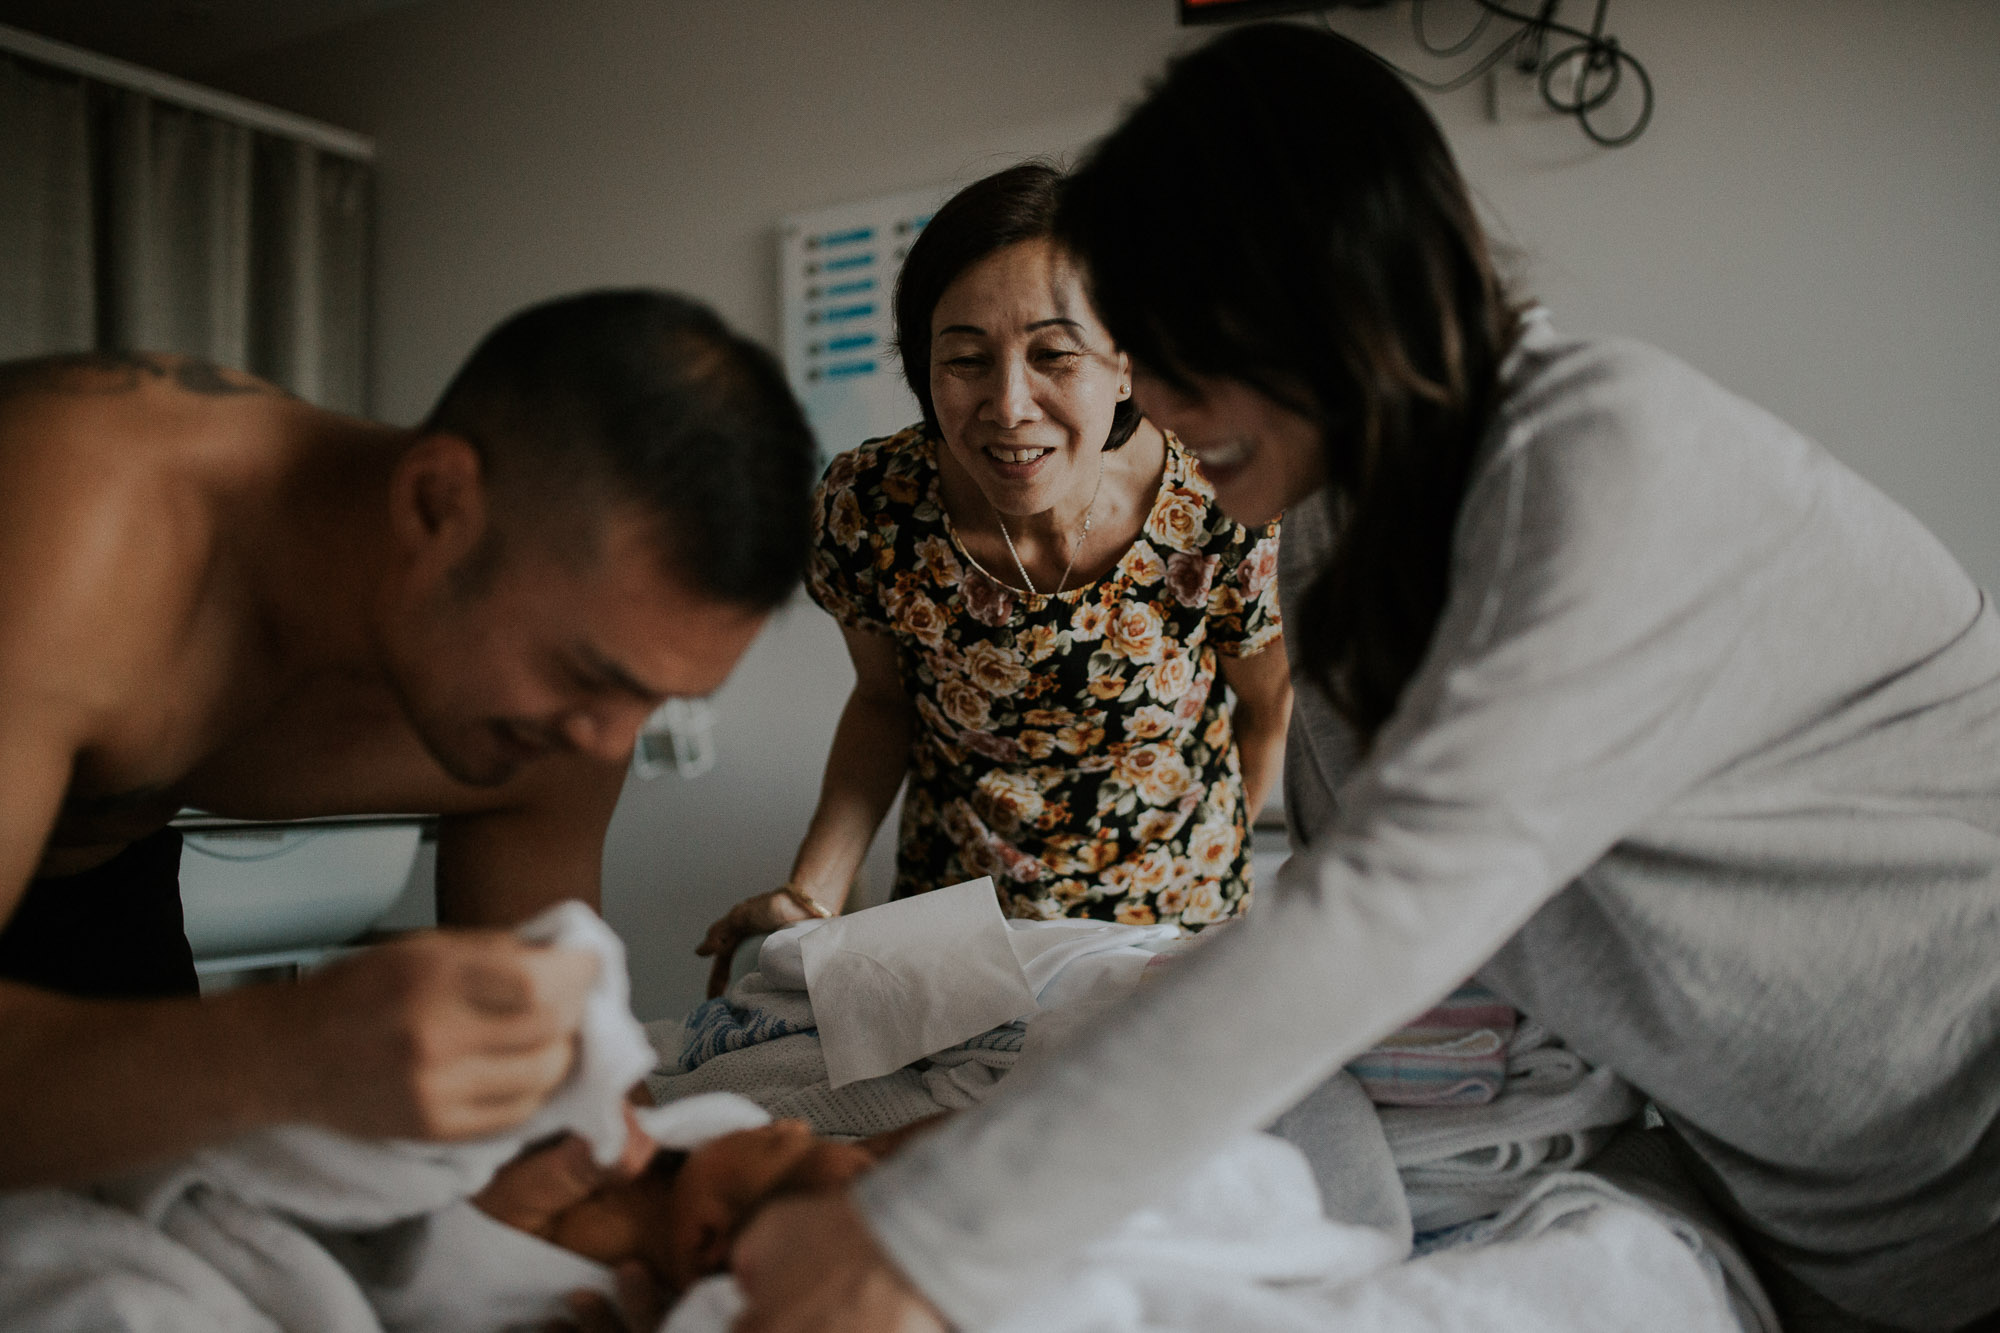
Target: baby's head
{"x":680,"y":1215}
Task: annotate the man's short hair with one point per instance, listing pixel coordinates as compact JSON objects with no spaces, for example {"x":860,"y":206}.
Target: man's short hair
{"x":645,"y":397}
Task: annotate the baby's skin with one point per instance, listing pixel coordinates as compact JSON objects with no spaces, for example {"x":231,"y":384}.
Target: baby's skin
{"x":680,"y":1215}
{"x":677,"y":1214}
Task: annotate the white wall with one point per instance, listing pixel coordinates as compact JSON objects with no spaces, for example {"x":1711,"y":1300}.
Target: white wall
{"x":1814,"y":218}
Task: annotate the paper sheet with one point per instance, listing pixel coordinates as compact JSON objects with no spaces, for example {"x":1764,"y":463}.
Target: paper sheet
{"x":898,"y":982}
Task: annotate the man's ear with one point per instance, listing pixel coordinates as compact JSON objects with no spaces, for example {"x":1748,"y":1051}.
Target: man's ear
{"x":439,"y":505}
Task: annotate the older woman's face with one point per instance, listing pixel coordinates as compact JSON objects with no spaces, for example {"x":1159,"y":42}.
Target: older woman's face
{"x":1260,"y":456}
{"x":1023,"y":377}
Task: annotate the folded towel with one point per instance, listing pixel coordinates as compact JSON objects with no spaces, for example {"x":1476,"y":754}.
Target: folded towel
{"x":1462,"y":1163}
{"x":1454,"y":1054}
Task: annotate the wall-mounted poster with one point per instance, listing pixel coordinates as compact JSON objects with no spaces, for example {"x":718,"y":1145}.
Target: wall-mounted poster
{"x":836,"y":283}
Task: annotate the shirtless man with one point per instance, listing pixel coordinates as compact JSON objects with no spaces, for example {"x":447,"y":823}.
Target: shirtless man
{"x":214,"y":595}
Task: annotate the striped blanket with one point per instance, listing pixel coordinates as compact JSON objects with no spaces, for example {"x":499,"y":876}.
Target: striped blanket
{"x":1454,"y":1055}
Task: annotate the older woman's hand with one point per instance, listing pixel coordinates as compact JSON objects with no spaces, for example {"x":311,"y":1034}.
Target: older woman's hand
{"x":759,"y":914}
{"x":809,"y":1265}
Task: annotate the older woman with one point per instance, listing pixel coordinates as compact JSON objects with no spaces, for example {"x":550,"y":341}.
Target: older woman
{"x":1042,"y":604}
{"x":1613,"y":688}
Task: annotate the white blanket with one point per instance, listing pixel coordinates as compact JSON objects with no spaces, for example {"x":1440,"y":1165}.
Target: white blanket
{"x":1246,"y":1243}
{"x":306,"y":1232}
{"x":1242,"y":1247}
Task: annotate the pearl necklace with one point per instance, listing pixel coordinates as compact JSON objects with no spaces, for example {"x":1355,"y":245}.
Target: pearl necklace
{"x":1089,"y":513}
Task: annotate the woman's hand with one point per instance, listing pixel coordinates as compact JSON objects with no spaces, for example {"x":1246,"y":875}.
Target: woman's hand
{"x":759,"y":914}
{"x":809,"y":1265}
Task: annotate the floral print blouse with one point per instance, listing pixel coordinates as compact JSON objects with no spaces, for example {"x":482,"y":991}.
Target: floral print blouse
{"x":1074,"y":746}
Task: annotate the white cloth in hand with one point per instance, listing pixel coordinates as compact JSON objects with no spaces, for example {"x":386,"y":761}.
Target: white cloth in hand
{"x":259,"y":1217}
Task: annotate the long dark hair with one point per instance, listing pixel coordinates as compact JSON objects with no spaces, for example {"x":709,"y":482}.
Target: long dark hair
{"x":1006,"y":208}
{"x":1282,"y":211}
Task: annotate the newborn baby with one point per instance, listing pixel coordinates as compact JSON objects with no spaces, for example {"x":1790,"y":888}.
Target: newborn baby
{"x":676,"y":1214}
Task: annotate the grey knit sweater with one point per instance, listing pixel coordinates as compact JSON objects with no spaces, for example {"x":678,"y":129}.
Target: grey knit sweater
{"x":1702,"y":769}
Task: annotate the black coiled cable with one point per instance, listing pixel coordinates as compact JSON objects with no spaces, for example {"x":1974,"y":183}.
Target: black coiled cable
{"x":1603,"y":63}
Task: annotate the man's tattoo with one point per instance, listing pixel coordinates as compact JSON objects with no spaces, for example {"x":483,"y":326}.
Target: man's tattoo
{"x":106,"y":373}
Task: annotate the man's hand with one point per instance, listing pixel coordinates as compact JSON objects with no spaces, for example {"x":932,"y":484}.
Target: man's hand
{"x":808,"y":1265}
{"x":444,"y":1035}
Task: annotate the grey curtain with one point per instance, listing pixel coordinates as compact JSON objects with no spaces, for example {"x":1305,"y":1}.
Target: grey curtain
{"x":132,"y":224}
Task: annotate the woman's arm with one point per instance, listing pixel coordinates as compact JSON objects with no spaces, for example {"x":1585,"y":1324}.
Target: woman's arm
{"x":864,"y":770}
{"x":1590,"y":667}
{"x":1262,"y":684}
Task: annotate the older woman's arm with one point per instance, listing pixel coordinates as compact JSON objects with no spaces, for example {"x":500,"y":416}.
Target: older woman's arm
{"x":864,"y":770}
{"x":1262,"y":684}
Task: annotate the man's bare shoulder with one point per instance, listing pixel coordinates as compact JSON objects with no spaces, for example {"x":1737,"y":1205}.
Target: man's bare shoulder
{"x":104,"y":524}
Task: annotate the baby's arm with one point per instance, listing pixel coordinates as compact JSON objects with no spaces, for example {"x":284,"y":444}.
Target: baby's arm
{"x":677,"y":1214}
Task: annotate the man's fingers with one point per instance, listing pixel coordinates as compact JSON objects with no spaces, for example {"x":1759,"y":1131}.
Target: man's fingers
{"x":491,"y":977}
{"x":462,"y":1121}
{"x":638,"y":1151}
{"x":492,"y":1083}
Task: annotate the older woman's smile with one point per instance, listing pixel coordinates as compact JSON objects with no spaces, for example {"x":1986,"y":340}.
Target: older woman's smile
{"x":1002,"y":454}
{"x":1016,"y":463}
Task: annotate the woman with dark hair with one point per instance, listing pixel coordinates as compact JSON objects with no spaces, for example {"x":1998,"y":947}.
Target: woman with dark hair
{"x":1042,"y":604}
{"x":1615,"y":690}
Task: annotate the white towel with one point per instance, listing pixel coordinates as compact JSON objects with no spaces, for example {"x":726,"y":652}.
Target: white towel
{"x":69,"y":1264}
{"x":335,"y":1180}
{"x":1084,"y":962}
